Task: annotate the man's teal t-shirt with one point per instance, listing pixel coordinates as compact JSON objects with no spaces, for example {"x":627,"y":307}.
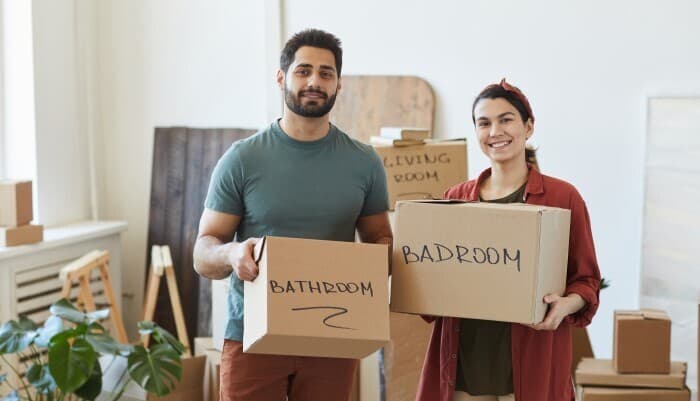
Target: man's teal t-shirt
{"x":288,"y":188}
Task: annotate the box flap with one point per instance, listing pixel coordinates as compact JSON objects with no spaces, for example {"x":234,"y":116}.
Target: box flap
{"x":433,"y":201}
{"x":600,"y":372}
{"x":648,"y":314}
{"x":259,"y":248}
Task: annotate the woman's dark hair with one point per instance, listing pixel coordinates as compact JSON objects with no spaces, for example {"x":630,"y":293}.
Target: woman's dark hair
{"x":313,"y":38}
{"x":497,"y":91}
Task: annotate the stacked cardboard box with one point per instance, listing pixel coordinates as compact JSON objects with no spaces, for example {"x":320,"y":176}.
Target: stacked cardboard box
{"x":16,"y":213}
{"x":423,"y":171}
{"x":641,"y":368}
{"x":597,"y":380}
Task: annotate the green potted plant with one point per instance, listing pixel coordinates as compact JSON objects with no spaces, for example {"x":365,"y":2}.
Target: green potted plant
{"x":62,"y":357}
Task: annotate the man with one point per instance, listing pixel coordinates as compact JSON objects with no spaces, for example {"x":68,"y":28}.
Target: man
{"x":300,"y":177}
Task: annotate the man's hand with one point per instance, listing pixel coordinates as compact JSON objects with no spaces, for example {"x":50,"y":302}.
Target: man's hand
{"x":559,"y":308}
{"x":241,"y":259}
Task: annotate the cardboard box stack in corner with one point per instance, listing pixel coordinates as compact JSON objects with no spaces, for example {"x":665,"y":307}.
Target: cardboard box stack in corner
{"x":16,"y":213}
{"x":641,"y":369}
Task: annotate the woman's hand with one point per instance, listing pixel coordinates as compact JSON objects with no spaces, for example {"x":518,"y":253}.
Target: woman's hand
{"x":559,"y":308}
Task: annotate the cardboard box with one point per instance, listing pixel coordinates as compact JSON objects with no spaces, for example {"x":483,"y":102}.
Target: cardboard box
{"x":212,"y":370}
{"x":26,"y":234}
{"x":580,"y":347}
{"x":190,"y":387}
{"x":317,"y":298}
{"x":600,"y":372}
{"x":630,"y":394}
{"x":478,"y":260}
{"x":15,"y":203}
{"x":404,"y":356}
{"x":219,"y":311}
{"x":642,"y":341}
{"x":423,"y":171}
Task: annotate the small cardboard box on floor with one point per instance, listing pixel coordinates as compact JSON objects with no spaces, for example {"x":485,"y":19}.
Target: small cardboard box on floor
{"x":642,"y":341}
{"x":423,"y":171}
{"x":478,"y":260}
{"x":597,"y":380}
{"x":317,"y":298}
{"x":601,"y":373}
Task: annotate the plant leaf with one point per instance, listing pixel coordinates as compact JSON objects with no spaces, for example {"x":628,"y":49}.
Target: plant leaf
{"x":71,"y":364}
{"x":65,"y":310}
{"x":93,"y":386}
{"x":95,"y":327}
{"x":13,"y":396}
{"x":97,"y":315}
{"x":52,"y":326}
{"x":26,"y":324}
{"x":145,"y":327}
{"x":105,"y":344}
{"x":157,"y":369}
{"x":39,"y":377}
{"x":15,"y":337}
{"x":162,"y":336}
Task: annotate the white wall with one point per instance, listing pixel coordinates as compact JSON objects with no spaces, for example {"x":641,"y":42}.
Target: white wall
{"x":164,"y":63}
{"x":18,"y":147}
{"x":62,"y":175}
{"x":587,"y":67}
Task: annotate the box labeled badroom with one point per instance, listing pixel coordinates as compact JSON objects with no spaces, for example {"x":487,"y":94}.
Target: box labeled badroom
{"x":317,"y":298}
{"x":423,"y":171}
{"x":642,"y":341}
{"x":478,"y":260}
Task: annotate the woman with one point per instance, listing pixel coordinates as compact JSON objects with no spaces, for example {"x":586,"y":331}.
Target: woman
{"x":471,"y":359}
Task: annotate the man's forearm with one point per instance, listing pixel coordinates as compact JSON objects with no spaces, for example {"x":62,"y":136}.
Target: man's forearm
{"x":211,"y":257}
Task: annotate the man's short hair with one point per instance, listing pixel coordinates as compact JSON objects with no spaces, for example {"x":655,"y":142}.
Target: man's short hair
{"x":313,"y":38}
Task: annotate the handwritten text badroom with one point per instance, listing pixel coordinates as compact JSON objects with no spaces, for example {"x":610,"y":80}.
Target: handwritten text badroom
{"x":321,"y":287}
{"x":438,"y":253}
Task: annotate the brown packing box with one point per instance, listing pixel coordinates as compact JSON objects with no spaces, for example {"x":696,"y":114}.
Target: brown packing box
{"x":317,"y":298}
{"x":26,"y":234}
{"x":600,"y":372}
{"x":212,"y":368}
{"x":15,"y":203}
{"x":188,"y":389}
{"x":631,"y":394}
{"x":642,"y":341}
{"x":404,"y":355}
{"x":478,"y":260}
{"x":423,"y":171}
{"x":580,"y":347}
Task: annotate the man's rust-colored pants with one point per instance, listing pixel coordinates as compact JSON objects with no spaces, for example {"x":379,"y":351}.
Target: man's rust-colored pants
{"x":257,"y":377}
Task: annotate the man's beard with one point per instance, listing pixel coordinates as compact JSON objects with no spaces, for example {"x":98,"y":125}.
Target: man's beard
{"x":314,"y":110}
